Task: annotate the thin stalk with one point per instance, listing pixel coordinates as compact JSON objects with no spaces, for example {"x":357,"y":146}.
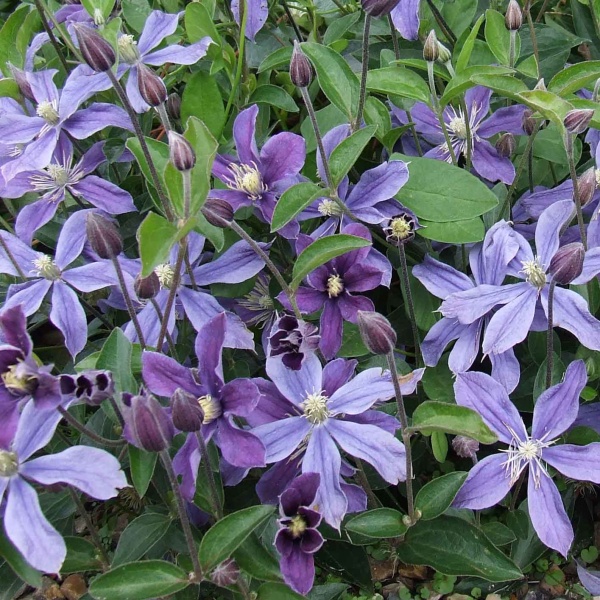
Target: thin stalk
{"x":240,"y":62}
{"x":187,"y":192}
{"x":51,"y":35}
{"x":512,"y":48}
{"x":210,"y":476}
{"x":534,"y":43}
{"x":12,"y":258}
{"x":160,"y":316}
{"x":437,"y":109}
{"x":372,"y":499}
{"x":128,"y":302}
{"x":363,"y":77}
{"x":569,"y":148}
{"x":405,"y":436}
{"x":530,"y":170}
{"x":92,"y":309}
{"x":189,"y":270}
{"x":442,"y":23}
{"x":410,"y":303}
{"x":550,"y":336}
{"x":516,"y":492}
{"x":117,"y":410}
{"x":183,"y":517}
{"x":66,"y":39}
{"x":596,"y":90}
{"x":414,"y":133}
{"x":164,"y":117}
{"x":172,"y":293}
{"x":394,"y":34}
{"x":71,"y":420}
{"x":463,"y":105}
{"x":291,"y":19}
{"x":542,"y":11}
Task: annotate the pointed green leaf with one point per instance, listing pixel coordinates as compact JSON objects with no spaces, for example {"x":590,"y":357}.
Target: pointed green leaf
{"x":436,"y":496}
{"x":293,"y":201}
{"x":156,"y":237}
{"x":115,"y":356}
{"x":277,"y":591}
{"x":465,"y":54}
{"x":498,"y":37}
{"x":398,"y":81}
{"x":82,"y":555}
{"x":344,"y":156}
{"x":141,"y":464}
{"x":453,"y":232}
{"x":378,"y":523}
{"x":139,"y":537}
{"x":275,"y":96}
{"x":575,"y":77}
{"x":256,"y":560}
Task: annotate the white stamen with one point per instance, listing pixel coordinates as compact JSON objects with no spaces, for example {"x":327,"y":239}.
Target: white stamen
{"x":315,"y":408}
{"x":165,"y":274}
{"x":534,"y":272}
{"x":48,"y":111}
{"x":335,"y":285}
{"x":247,"y":179}
{"x":128,"y":49}
{"x":45,"y":267}
{"x":328,"y":208}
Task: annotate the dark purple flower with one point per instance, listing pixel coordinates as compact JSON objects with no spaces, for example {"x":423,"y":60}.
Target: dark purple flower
{"x":91,"y":387}
{"x":293,"y":340}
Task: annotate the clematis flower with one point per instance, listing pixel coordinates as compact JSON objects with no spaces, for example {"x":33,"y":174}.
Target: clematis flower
{"x":257,"y":13}
{"x":292,"y":340}
{"x":59,"y":177}
{"x":91,"y":470}
{"x":220,"y":401}
{"x":493,"y":477}
{"x":258,"y":178}
{"x":487,"y":162}
{"x":298,"y":538}
{"x":405,"y":17}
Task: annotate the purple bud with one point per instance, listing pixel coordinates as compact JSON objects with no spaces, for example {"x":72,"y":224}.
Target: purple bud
{"x":225,"y":574}
{"x":147,"y":424}
{"x":378,"y":8}
{"x":182,"y":154}
{"x":586,"y":186}
{"x":146,"y":288}
{"x":514,"y":16}
{"x":103,"y":236}
{"x":174,"y":106}
{"x":96,"y":51}
{"x":465,"y":447}
{"x":506,"y":145}
{"x":21,"y":80}
{"x":186,"y":411}
{"x":376,"y":332}
{"x":577,"y":120}
{"x":431,"y":49}
{"x":567,"y":263}
{"x":301,"y":72}
{"x":93,"y":387}
{"x":528,"y":121}
{"x":218,"y":212}
{"x":151,"y":86}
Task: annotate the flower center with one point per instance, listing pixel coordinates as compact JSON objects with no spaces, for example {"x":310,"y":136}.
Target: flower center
{"x":315,"y":408}
{"x":45,"y":267}
{"x":128,"y":49}
{"x":59,"y":174}
{"x":328,"y":208}
{"x":534,"y":272}
{"x":165,"y":274}
{"x":297,"y":526}
{"x":48,"y":111}
{"x":400,"y":228}
{"x":458,"y":126}
{"x":98,"y":17}
{"x":247,"y":179}
{"x":258,"y":301}
{"x":19,"y":381}
{"x":9,"y":463}
{"x":211,"y":407}
{"x":335,"y":285}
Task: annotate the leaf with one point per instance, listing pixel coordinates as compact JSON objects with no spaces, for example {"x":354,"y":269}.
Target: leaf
{"x":451,"y":418}
{"x":378,"y":114}
{"x":344,"y":156}
{"x":202,"y":99}
{"x":141,"y":464}
{"x":277,"y":591}
{"x":465,"y":54}
{"x":504,"y":85}
{"x":293,"y":201}
{"x":223,"y":538}
{"x":453,"y":546}
{"x":82,"y":555}
{"x":436,"y":496}
{"x":280,"y":58}
{"x":8,"y":49}
{"x":139,"y":581}
{"x":499,"y":534}
{"x":256,"y":560}
{"x":18,"y":563}
{"x":439,"y":192}
{"x":550,"y":105}
{"x":378,"y":523}
{"x":275,"y":96}
{"x":335,"y":77}
{"x":140,"y":536}
{"x":498,"y":37}
{"x":156,"y":237}
{"x":104,"y":6}
{"x":323,"y":250}
{"x":398,"y":81}
{"x":339,"y":26}
{"x":350,"y":562}
{"x":439,"y":446}
{"x":199,"y":23}
{"x":136,"y":13}
{"x":462,"y":81}
{"x":159,"y":153}
{"x":455,"y":232}
{"x":214,"y":234}
{"x":115,"y":356}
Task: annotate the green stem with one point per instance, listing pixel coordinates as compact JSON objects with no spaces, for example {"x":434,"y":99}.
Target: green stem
{"x":128,"y":302}
{"x":363,"y":77}
{"x":512,"y":48}
{"x":550,"y":336}
{"x":210,"y":476}
{"x":410,"y":303}
{"x":469,"y":156}
{"x":414,"y":133}
{"x":577,"y":199}
{"x":394,"y":34}
{"x":71,"y":420}
{"x":442,"y":23}
{"x":437,"y":109}
{"x":534,"y":43}
{"x":51,"y":35}
{"x":160,"y":316}
{"x":240,"y":61}
{"x":172,"y":293}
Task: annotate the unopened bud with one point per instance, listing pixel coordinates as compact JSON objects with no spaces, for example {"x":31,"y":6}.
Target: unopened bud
{"x":301,"y":72}
{"x":444,"y":54}
{"x":528,"y":121}
{"x":376,"y":332}
{"x":186,"y":411}
{"x":96,"y":51}
{"x":174,"y":106}
{"x":22,"y":82}
{"x":218,"y":212}
{"x":146,"y":288}
{"x":540,"y":86}
{"x":147,"y":424}
{"x":506,"y":145}
{"x":103,"y":236}
{"x":567,"y":263}
{"x":378,"y":8}
{"x":577,"y":120}
{"x":514,"y":16}
{"x":586,"y":186}
{"x":431,"y":49}
{"x":151,"y":86}
{"x":181,"y":153}
{"x":226,"y":574}
{"x":465,"y":447}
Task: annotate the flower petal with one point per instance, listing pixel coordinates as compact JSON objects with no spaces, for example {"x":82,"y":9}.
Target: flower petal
{"x":576,"y":462}
{"x":239,"y":448}
{"x":441,"y":279}
{"x":68,"y":315}
{"x":549,"y":228}
{"x":163,"y":375}
{"x":359,"y":394}
{"x":282,"y":156}
{"x":282,"y":438}
{"x":159,"y":25}
{"x":295,"y":385}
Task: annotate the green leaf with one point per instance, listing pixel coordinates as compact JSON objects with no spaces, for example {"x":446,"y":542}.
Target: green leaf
{"x":202,"y":99}
{"x":140,"y":536}
{"x":280,"y":58}
{"x":136,"y":13}
{"x":335,"y":77}
{"x":453,"y":546}
{"x":141,"y":464}
{"x":256,"y":560}
{"x":115,"y":356}
{"x":462,"y":81}
{"x":9,"y":88}
{"x":275,"y":96}
{"x":352,"y":343}
{"x":344,"y":156}
{"x":277,"y":591}
{"x":9,"y":51}
{"x":293,"y":201}
{"x":498,"y":37}
{"x":338,"y":27}
{"x":104,"y":6}
{"x":451,"y":418}
{"x":504,"y":85}
{"x":156,"y":237}
{"x":18,"y":563}
{"x":550,"y":105}
{"x":436,"y":496}
{"x":455,"y":232}
{"x":214,"y":234}
{"x":378,"y":523}
{"x":82,"y":555}
{"x":465,"y":54}
{"x":439,"y":446}
{"x":159,"y":153}
{"x":142,"y":580}
{"x":378,"y":114}
{"x":351,"y":563}
{"x":398,"y":81}
{"x":223,"y":538}
{"x":499,"y":534}
{"x":323,"y":250}
{"x":199,"y":23}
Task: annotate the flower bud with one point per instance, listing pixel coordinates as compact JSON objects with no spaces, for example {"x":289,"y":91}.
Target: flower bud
{"x":151,"y":86}
{"x":376,"y":332}
{"x":103,"y":236}
{"x":444,"y":54}
{"x":567,"y":263}
{"x":225,"y":574}
{"x":586,"y":186}
{"x":378,"y":8}
{"x":514,"y":16}
{"x":146,"y":288}
{"x":174,"y":106}
{"x":147,"y":424}
{"x":578,"y":120}
{"x":21,"y":80}
{"x":96,"y":51}
{"x":465,"y":447}
{"x":431,"y":50}
{"x":528,"y":121}
{"x":218,"y":212}
{"x":186,"y":412}
{"x":301,"y":72}
{"x":181,"y":153}
{"x":506,"y":145}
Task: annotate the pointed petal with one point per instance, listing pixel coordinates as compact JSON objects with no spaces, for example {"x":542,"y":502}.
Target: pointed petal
{"x":104,"y":194}
{"x":282,"y":156}
{"x":244,"y":132}
{"x":441,"y":279}
{"x":466,"y":348}
{"x":159,"y":25}
{"x":331,"y":329}
{"x":508,"y":119}
{"x":179,"y":55}
{"x":239,"y":448}
{"x":359,"y":394}
{"x":186,"y":463}
{"x":337,"y":373}
{"x":576,"y":462}
{"x":239,"y":397}
{"x":490,"y":164}
{"x":238,"y":263}
{"x":377,"y":185}
{"x":36,"y":428}
{"x":29,"y":295}
{"x":549,"y":227}
{"x":95,"y":276}
{"x":163,"y":375}
{"x":99,"y":115}
{"x":406,"y":18}
{"x":209,"y":350}
{"x":282,"y":438}
{"x":591,"y":266}
{"x":506,"y":369}
{"x":258,"y":11}
{"x":295,"y":385}
{"x":68,"y":315}
{"x":33,"y":216}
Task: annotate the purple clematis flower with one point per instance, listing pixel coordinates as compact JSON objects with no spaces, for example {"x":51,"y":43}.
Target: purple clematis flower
{"x":59,"y":177}
{"x":487,"y":162}
{"x":257,"y":13}
{"x":293,"y":340}
{"x":331,"y":287}
{"x":492,"y":478}
{"x":220,"y":402}
{"x":298,"y":538}
{"x":489,"y":264}
{"x":258,"y":179}
{"x":510,"y":324}
{"x":405,"y":17}
{"x":92,"y":470}
{"x":316,"y":409}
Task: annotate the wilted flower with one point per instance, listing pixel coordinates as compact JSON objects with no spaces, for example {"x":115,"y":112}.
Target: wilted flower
{"x":91,"y":387}
{"x":292,"y":340}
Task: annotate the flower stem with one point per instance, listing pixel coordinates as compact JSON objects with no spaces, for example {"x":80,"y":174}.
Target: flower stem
{"x":373,"y":500}
{"x":160,"y":316}
{"x":291,"y":19}
{"x":172,"y":293}
{"x":576,"y":198}
{"x":187,"y":192}
{"x":128,"y":302}
{"x":550,"y":336}
{"x":51,"y":36}
{"x":240,"y":62}
{"x":512,"y":48}
{"x":469,"y":156}
{"x":71,"y":420}
{"x":11,"y":257}
{"x":534,"y":43}
{"x":414,"y":133}
{"x":410,"y":303}
{"x":363,"y":76}
{"x":439,"y":113}
{"x":442,"y":23}
{"x":394,"y":34}
{"x":183,"y":517}
{"x":164,"y":117}
{"x":210,"y":476}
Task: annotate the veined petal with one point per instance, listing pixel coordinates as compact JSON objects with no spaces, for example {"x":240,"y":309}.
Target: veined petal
{"x":36,"y":428}
{"x":282,"y":438}
{"x":258,"y":11}
{"x":238,"y":263}
{"x":439,"y":336}
{"x":466,"y":348}
{"x":591,"y":266}
{"x":69,"y":317}
{"x":95,"y":118}
{"x":506,"y":369}
{"x":576,"y":462}
{"x":159,"y":25}
{"x":282,"y":156}
{"x":549,"y":227}
{"x":179,"y":55}
{"x":240,"y":448}
{"x":296,"y":385}
{"x":35,"y":215}
{"x":441,"y":279}
{"x":377,"y":185}
{"x":163,"y":375}
{"x":488,"y":162}
{"x":406,"y":18}
{"x":244,"y":132}
{"x":361,"y":392}
{"x":103,"y":194}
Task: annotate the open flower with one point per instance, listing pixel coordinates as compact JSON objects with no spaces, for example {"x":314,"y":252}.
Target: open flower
{"x":492,"y":478}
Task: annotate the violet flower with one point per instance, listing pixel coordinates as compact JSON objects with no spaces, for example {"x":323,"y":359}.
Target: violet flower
{"x":405,"y":17}
{"x":293,"y":340}
{"x":492,"y":478}
{"x":258,"y":179}
{"x":298,"y":538}
{"x":220,"y":401}
{"x":92,"y":470}
{"x":257,"y":12}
